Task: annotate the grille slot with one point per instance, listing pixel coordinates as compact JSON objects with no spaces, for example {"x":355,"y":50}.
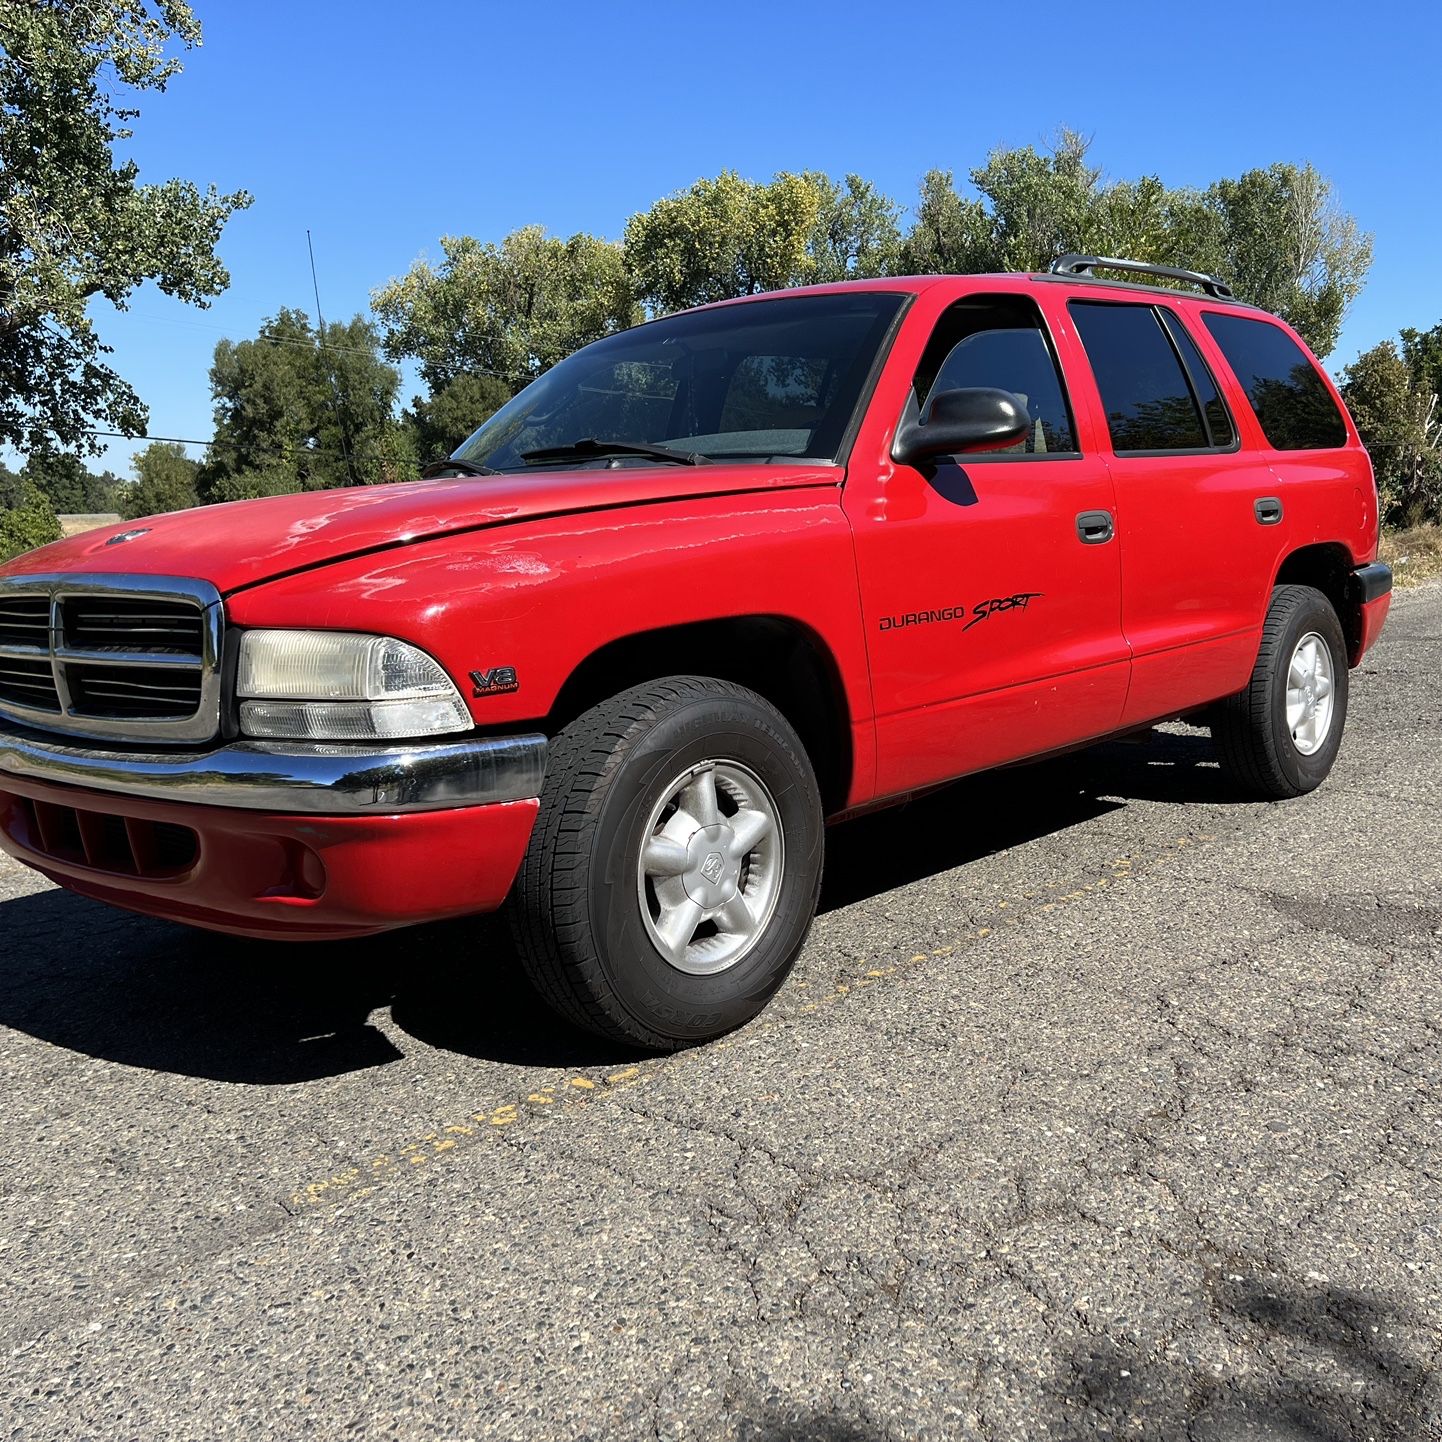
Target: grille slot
{"x":25,"y":621}
{"x":126,"y":658}
{"x":97,"y":623}
{"x":28,"y":681}
{"x":133,"y":692}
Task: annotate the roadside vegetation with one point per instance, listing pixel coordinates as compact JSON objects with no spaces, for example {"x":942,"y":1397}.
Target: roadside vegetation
{"x":296,"y":408}
{"x":1414,"y":553}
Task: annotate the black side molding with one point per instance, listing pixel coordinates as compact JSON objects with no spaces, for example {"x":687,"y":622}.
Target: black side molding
{"x":1372,"y":582}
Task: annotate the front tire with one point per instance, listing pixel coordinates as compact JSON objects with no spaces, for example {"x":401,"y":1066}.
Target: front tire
{"x":1279,"y":737}
{"x":675,"y":865}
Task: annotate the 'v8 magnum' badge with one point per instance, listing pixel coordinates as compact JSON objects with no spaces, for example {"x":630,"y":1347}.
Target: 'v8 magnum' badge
{"x":495,"y":682}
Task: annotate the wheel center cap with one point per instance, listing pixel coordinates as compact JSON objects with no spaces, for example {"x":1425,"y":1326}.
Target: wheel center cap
{"x":711,"y":874}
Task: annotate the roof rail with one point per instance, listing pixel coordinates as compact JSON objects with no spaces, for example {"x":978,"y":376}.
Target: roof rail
{"x":1084,"y":265}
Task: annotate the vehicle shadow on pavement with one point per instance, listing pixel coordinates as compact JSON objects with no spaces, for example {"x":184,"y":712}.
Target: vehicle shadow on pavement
{"x":1332,"y":1367}
{"x":966,"y":820}
{"x":153,"y":995}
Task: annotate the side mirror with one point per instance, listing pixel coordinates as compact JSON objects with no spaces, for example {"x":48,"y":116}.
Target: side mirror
{"x":955,"y":422}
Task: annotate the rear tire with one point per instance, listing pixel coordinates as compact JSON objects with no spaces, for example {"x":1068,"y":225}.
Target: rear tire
{"x":1279,"y":737}
{"x":675,"y":865}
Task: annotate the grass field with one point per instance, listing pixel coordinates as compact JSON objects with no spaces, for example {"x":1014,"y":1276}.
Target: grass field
{"x":1415,"y":555}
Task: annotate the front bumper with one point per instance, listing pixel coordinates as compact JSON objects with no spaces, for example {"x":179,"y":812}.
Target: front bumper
{"x":324,"y":779}
{"x":284,"y":842}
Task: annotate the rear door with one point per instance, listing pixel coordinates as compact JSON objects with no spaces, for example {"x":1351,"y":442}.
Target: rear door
{"x":993,"y":622}
{"x":1197,"y":543}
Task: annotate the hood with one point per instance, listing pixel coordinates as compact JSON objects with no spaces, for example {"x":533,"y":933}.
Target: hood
{"x":245,"y":542}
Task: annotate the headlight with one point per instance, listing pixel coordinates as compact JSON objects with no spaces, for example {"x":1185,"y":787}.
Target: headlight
{"x":336,"y":686}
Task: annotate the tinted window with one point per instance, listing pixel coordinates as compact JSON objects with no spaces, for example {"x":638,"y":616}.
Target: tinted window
{"x":1214,"y":409}
{"x":769,"y":392}
{"x":1149,"y":405}
{"x":776,"y":377}
{"x":1292,"y":402}
{"x":999,"y":343}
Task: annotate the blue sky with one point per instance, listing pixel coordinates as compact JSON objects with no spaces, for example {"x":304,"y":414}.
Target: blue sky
{"x":382,"y":126}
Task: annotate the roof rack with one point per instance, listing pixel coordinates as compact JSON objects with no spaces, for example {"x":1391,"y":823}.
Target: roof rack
{"x":1085,"y":265}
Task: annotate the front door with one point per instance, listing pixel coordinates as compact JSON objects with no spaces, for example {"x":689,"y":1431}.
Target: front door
{"x":991,"y":589}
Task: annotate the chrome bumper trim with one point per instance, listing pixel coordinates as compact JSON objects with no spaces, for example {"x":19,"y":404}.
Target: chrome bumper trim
{"x":316,"y":780}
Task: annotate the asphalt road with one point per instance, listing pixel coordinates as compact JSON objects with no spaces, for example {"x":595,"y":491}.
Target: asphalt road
{"x":1100,"y":1105}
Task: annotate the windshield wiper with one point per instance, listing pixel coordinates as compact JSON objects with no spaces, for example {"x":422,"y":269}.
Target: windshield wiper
{"x":466,"y":468}
{"x":590,"y":447}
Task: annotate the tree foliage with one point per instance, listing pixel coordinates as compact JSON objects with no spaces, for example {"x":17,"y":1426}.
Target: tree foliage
{"x":74,"y":224}
{"x":1391,"y":397}
{"x":69,"y":486}
{"x":164,"y":481}
{"x":510,"y":310}
{"x":442,"y":421}
{"x":1275,"y":234}
{"x":310,"y":410}
{"x":729,"y":236}
{"x":27,"y":519}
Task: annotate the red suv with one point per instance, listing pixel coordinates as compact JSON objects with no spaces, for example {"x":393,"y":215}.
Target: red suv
{"x":705,"y":586}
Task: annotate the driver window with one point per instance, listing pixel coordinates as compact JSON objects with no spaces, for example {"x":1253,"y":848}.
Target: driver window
{"x":998,"y":341}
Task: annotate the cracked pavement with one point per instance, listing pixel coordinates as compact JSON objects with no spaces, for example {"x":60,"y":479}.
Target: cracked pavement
{"x":1100,"y":1105}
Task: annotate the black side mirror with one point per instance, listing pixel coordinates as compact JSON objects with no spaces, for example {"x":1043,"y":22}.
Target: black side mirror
{"x":955,"y":422}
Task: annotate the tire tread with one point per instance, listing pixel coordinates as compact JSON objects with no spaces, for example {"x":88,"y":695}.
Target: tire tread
{"x":548,"y":911}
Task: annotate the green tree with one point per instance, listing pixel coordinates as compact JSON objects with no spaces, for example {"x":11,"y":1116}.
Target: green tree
{"x":723,"y":238}
{"x":1282,"y":241}
{"x":319,"y":412}
{"x":1030,"y":207}
{"x":68,"y":485}
{"x":251,"y":485}
{"x":439,"y":423}
{"x":857,"y":232}
{"x":26,"y":519}
{"x":164,"y":481}
{"x":1276,"y":234}
{"x":1422,"y":350}
{"x":510,"y":310}
{"x":74,"y":224}
{"x":1396,"y":412}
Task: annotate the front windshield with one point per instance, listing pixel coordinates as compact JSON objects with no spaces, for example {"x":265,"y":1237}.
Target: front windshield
{"x":769,"y":378}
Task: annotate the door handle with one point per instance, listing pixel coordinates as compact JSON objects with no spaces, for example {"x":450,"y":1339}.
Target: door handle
{"x":1268,"y":510}
{"x":1095,"y":528}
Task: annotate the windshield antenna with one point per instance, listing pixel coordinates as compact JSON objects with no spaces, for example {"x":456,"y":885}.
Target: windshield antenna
{"x":329,"y":369}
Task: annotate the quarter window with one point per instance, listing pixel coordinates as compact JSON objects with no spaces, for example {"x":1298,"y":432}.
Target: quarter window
{"x":1293,"y":405}
{"x":1214,"y":408}
{"x":1149,"y":403}
{"x":998,"y":342}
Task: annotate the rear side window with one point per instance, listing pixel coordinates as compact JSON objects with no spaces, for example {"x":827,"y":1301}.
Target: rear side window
{"x":1293,"y":405}
{"x":1148,"y":401}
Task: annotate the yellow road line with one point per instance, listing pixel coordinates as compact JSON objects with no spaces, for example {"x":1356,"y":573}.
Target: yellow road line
{"x":569,"y":1094}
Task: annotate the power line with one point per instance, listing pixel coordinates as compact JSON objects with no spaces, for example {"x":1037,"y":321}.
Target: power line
{"x":175,"y":440}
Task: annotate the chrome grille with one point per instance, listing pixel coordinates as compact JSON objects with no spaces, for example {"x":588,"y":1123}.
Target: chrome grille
{"x":24,"y":620}
{"x":111,"y":657}
{"x":28,"y":682}
{"x":95,"y":623}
